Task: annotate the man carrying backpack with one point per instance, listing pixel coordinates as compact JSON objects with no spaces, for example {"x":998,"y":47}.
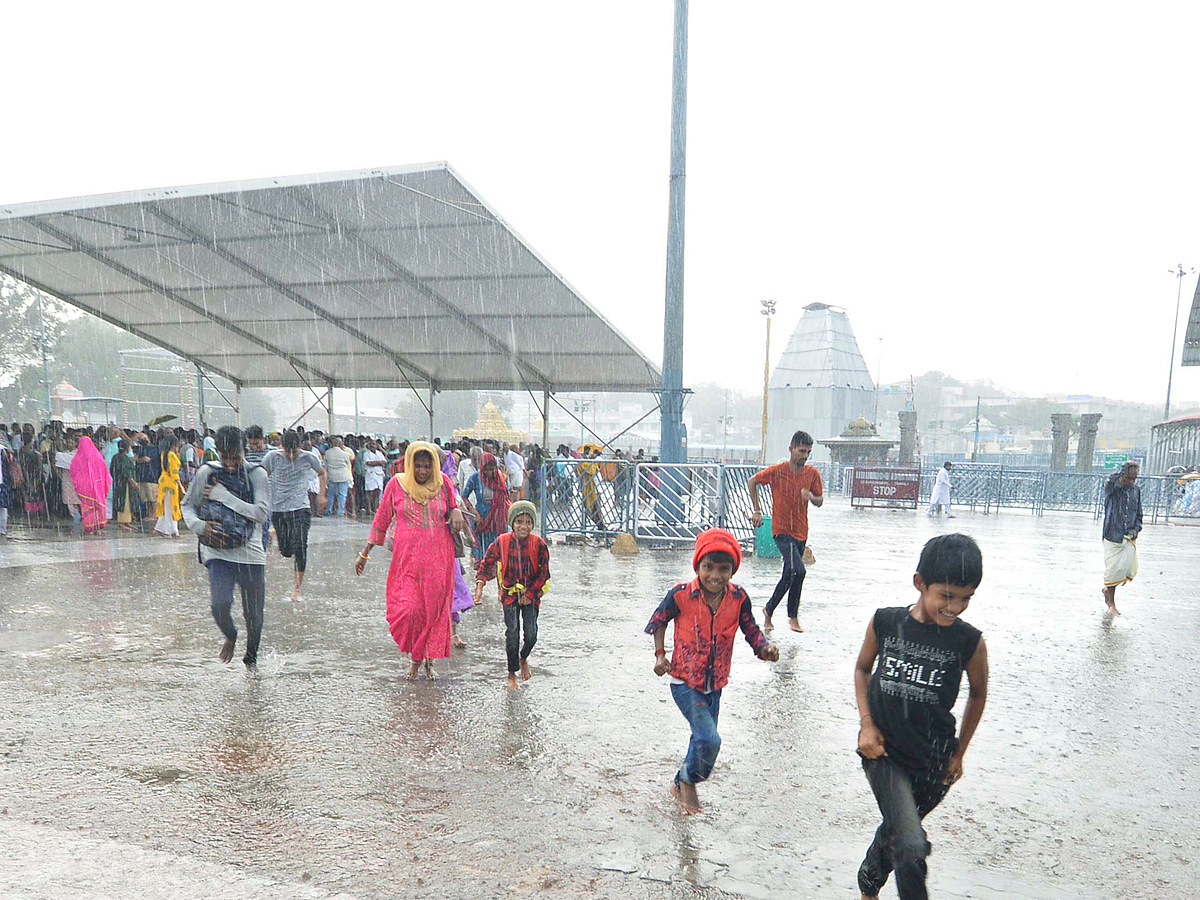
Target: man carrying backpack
{"x":226,"y":507}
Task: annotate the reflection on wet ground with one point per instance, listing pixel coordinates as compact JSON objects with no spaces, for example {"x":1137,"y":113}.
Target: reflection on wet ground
{"x":132,"y":762}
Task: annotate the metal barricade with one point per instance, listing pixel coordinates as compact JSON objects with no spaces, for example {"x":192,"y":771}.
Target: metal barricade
{"x":587,"y":496}
{"x":676,"y":501}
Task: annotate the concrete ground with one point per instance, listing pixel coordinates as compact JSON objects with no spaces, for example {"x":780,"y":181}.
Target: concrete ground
{"x":134,"y":764}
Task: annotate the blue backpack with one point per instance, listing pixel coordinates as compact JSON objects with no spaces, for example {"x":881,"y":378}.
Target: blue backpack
{"x":238,"y":529}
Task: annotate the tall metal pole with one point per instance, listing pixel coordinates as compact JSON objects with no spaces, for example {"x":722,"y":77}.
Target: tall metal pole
{"x":431,"y":411}
{"x":768,"y":310}
{"x":975,"y":450}
{"x":671,"y":398}
{"x":725,"y":428}
{"x":45,"y":363}
{"x":329,"y":408}
{"x":878,"y":375}
{"x":1179,"y":274}
{"x":356,"y":431}
{"x":546,"y":419}
{"x":200,"y":386}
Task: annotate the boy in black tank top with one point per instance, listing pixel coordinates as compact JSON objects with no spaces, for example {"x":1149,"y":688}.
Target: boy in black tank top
{"x":910,"y":753}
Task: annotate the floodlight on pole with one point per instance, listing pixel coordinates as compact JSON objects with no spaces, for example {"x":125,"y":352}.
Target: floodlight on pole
{"x":768,"y":310}
{"x":1179,"y":274}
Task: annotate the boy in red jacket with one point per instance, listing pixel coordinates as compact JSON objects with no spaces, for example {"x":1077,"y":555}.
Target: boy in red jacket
{"x":707,"y":613}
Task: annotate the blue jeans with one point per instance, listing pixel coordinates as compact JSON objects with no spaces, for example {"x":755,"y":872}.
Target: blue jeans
{"x":337,"y":491}
{"x":792,"y":580}
{"x":701,"y":710}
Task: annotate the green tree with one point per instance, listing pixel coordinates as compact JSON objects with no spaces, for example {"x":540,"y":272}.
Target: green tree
{"x":23,"y":310}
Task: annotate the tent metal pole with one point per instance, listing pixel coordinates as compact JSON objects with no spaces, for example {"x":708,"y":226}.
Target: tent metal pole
{"x":329,"y":406}
{"x":200,"y":383}
{"x":546,"y":419}
{"x":237,"y":399}
{"x":431,"y":411}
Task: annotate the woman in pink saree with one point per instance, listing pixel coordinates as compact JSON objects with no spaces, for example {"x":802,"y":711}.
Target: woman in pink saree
{"x":420,"y":584}
{"x":92,"y":481}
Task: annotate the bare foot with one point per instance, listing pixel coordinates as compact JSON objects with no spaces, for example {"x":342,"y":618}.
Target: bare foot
{"x":429,"y":676}
{"x":226,"y":653}
{"x":413,"y":670}
{"x":512,"y":682}
{"x":870,"y":897}
{"x":296,"y":595}
{"x":794,"y":624}
{"x":767,"y":626}
{"x":459,"y":642}
{"x":1110,"y":600}
{"x":685,"y":795}
{"x":525,"y":673}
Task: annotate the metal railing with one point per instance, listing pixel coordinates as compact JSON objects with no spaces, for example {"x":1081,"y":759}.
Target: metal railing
{"x":988,"y":486}
{"x":673,"y":502}
{"x":664,"y":502}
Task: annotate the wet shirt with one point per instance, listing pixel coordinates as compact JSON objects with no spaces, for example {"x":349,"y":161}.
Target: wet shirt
{"x":523,"y":568}
{"x":703,"y":639}
{"x":373,"y":475}
{"x":789,"y":512}
{"x":337,"y":463}
{"x":915,"y":684}
{"x":289,"y":479}
{"x":1122,"y":509}
{"x":148,"y":471}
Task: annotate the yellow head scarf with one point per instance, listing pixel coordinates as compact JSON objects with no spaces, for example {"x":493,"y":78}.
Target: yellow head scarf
{"x":408,"y":480}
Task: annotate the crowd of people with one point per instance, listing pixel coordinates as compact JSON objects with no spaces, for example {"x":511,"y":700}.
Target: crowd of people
{"x":449,"y":514}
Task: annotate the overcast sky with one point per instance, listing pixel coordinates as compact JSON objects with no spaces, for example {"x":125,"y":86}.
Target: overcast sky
{"x":997,"y":192}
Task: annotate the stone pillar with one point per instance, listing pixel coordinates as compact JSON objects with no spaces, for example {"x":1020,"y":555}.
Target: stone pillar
{"x":1089,"y":424}
{"x":908,"y":438}
{"x":1060,"y":428}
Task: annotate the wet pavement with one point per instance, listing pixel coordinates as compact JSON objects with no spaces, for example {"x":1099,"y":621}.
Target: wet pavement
{"x":134,"y":764}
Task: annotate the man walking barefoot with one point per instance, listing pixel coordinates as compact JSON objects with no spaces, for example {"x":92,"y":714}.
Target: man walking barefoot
{"x":1122,"y":525}
{"x":794,"y":484}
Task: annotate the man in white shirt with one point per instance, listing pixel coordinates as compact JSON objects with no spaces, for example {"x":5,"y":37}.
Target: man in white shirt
{"x":940,"y":499}
{"x":514,"y":465}
{"x":375,"y":465}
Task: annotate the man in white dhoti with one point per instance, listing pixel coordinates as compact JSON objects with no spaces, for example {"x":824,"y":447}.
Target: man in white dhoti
{"x":941,"y":492}
{"x":1122,"y":525}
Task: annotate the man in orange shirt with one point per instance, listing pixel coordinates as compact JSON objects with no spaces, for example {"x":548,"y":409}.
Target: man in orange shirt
{"x":794,"y":484}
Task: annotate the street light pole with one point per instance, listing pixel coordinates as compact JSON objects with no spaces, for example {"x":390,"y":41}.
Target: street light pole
{"x":1179,"y":274}
{"x":672,"y":393}
{"x":768,"y":310}
{"x":878,"y":375}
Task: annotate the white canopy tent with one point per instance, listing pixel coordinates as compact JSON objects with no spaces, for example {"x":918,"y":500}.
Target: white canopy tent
{"x":376,"y":278}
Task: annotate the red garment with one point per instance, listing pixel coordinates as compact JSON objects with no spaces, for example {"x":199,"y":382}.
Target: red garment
{"x":527,"y":566}
{"x":496,"y":520}
{"x":789,"y":513}
{"x":703,"y":646}
{"x":420,"y":582}
{"x":716,"y":540}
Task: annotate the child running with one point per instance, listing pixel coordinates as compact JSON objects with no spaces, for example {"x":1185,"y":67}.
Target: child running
{"x":907,"y":743}
{"x":707,"y":611}
{"x":523,"y":561}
